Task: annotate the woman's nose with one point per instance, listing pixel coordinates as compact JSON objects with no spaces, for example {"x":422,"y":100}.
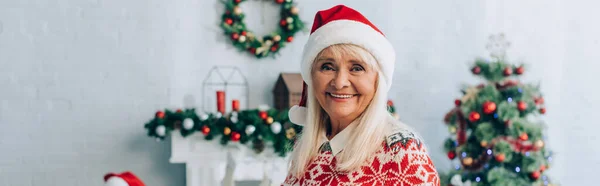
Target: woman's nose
{"x":340,"y":80}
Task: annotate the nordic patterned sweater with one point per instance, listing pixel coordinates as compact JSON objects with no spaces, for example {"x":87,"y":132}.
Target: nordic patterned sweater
{"x":402,"y":160}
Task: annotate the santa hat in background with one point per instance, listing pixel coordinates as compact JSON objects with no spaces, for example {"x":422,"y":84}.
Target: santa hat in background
{"x":122,"y":179}
{"x":342,"y":25}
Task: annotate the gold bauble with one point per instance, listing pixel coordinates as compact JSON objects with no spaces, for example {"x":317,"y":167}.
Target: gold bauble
{"x":290,"y":133}
{"x":539,"y":143}
{"x":237,"y":10}
{"x":467,"y":161}
{"x":269,"y":120}
{"x":277,"y":38}
{"x":484,"y":143}
{"x":227,"y":131}
{"x":294,"y":10}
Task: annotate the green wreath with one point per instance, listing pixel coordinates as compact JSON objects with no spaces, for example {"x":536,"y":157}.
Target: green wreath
{"x":243,"y":39}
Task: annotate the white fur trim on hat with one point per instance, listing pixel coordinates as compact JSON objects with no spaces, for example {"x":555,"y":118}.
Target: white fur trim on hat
{"x":350,"y":32}
{"x":297,"y":115}
{"x":116,"y":181}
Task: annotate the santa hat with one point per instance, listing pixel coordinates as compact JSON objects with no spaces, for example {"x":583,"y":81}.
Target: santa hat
{"x":337,"y":25}
{"x":122,"y":179}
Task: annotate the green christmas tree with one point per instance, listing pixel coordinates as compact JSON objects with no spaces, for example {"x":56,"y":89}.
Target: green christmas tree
{"x":496,"y":135}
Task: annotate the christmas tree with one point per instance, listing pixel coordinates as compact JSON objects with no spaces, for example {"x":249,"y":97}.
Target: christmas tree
{"x":496,"y":134}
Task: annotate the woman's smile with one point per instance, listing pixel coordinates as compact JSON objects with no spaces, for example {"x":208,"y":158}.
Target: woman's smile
{"x":341,"y":97}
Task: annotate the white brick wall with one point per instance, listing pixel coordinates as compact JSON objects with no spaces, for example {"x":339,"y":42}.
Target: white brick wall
{"x":78,"y":79}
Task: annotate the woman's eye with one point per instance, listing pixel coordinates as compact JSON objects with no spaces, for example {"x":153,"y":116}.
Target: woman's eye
{"x":326,"y":67}
{"x":357,"y":68}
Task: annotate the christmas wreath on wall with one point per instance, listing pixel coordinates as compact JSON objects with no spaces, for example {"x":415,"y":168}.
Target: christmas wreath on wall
{"x":262,"y":127}
{"x":245,"y":40}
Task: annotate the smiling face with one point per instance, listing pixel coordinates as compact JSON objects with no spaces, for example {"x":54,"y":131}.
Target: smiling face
{"x":344,"y":81}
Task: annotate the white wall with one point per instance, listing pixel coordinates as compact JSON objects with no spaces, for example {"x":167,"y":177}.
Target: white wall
{"x":79,"y":78}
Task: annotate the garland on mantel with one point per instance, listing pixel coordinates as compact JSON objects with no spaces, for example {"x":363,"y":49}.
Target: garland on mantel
{"x":257,"y":127}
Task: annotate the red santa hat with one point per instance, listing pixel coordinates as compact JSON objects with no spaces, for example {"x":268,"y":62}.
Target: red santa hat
{"x":342,"y":25}
{"x":122,"y":179}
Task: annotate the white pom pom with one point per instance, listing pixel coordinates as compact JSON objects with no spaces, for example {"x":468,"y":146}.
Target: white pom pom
{"x":116,"y":181}
{"x":297,"y":115}
{"x":161,"y":130}
{"x":188,"y":123}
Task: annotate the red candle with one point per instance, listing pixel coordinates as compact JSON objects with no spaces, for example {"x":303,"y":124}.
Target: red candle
{"x":235,"y":105}
{"x":221,"y":101}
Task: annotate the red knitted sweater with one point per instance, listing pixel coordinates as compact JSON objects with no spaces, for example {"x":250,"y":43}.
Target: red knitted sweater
{"x":401,"y":160}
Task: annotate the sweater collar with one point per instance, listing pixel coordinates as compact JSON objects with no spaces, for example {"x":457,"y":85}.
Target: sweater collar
{"x":339,"y":141}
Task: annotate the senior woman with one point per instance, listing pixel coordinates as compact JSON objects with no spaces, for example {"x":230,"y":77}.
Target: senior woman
{"x":349,"y":138}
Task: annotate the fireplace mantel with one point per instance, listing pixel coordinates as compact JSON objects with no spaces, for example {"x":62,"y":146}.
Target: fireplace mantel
{"x":206,"y":161}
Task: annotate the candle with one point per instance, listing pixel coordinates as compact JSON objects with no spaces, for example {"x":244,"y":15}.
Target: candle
{"x":235,"y":105}
{"x":221,"y":101}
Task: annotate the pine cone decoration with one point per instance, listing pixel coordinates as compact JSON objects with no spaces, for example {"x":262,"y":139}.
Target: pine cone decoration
{"x":258,"y":145}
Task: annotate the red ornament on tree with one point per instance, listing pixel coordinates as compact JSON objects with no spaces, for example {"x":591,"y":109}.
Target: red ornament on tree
{"x":535,"y":175}
{"x":543,"y":110}
{"x":522,"y":106}
{"x":205,"y":130}
{"x":290,"y":39}
{"x":279,"y":1}
{"x":539,"y":100}
{"x":457,"y":102}
{"x":243,"y":33}
{"x":476,"y":70}
{"x":263,"y":115}
{"x":235,"y":36}
{"x":178,"y":111}
{"x":160,"y":114}
{"x":235,"y":136}
{"x":390,"y":103}
{"x":252,"y":50}
{"x":520,"y":70}
{"x":474,"y":116}
{"x":542,"y":168}
{"x":237,"y":1}
{"x":500,"y":158}
{"x":523,"y":136}
{"x":229,"y":21}
{"x":508,"y":71}
{"x":489,"y":107}
{"x":451,"y":155}
{"x":282,"y":22}
{"x":274,"y":48}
